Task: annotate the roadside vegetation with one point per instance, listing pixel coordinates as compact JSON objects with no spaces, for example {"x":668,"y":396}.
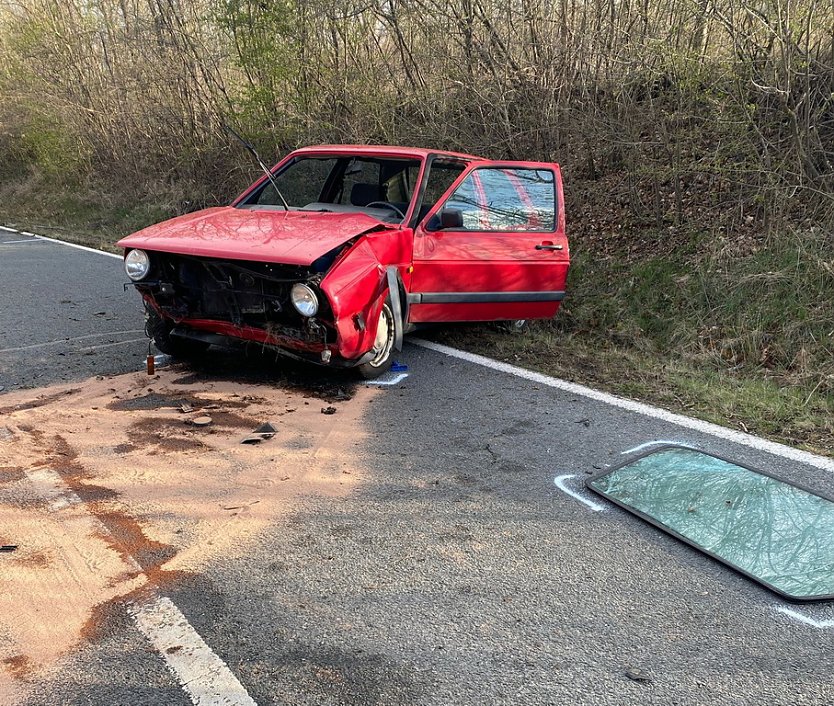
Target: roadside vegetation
{"x":696,"y":139}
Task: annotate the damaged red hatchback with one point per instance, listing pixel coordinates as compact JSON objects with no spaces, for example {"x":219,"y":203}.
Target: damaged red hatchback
{"x":346,"y":247}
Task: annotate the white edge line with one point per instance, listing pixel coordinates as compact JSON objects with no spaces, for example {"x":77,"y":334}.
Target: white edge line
{"x":749,"y":440}
{"x":561,"y":485}
{"x":61,"y":242}
{"x":15,"y":242}
{"x":72,"y":245}
{"x":205,"y":677}
{"x":796,"y":615}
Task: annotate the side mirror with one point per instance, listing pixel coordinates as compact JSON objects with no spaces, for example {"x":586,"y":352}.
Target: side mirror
{"x":451,"y":218}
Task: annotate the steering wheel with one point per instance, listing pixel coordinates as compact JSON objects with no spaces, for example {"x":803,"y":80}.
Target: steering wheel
{"x":385,"y":204}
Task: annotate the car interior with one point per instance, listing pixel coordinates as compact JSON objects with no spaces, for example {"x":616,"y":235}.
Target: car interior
{"x":379,"y":187}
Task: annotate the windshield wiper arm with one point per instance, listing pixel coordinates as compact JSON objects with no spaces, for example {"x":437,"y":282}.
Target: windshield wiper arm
{"x":265,"y":169}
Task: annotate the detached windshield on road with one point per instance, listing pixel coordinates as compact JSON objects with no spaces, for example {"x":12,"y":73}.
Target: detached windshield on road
{"x":773,"y":531}
{"x":342,"y":184}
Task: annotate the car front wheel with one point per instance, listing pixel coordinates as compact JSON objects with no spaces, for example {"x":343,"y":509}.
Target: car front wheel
{"x":383,"y":350}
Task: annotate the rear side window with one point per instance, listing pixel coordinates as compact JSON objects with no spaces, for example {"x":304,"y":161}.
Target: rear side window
{"x":501,"y":199}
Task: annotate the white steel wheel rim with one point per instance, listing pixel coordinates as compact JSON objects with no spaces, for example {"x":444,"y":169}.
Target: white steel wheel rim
{"x":384,"y":340}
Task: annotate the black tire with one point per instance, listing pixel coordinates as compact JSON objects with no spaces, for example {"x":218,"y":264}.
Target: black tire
{"x":383,"y":345}
{"x":159,"y":330}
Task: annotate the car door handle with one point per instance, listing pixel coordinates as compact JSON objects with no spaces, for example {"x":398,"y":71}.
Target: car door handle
{"x":549,"y":246}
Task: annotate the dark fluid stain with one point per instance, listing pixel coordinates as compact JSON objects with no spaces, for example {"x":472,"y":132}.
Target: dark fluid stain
{"x":123,"y":449}
{"x":36,"y":434}
{"x":256,"y":366}
{"x":37,"y":560}
{"x":174,"y":400}
{"x":124,"y":534}
{"x":165,"y":435}
{"x":39,"y":402}
{"x":19,"y":666}
{"x":10,"y":474}
{"x":152,"y":400}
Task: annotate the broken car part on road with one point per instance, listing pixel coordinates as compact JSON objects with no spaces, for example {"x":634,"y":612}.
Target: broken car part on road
{"x":772,"y":531}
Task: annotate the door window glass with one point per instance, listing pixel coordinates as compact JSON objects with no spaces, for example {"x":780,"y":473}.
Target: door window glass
{"x":501,"y":199}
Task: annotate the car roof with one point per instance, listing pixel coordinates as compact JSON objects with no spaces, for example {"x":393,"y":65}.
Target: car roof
{"x":384,"y":151}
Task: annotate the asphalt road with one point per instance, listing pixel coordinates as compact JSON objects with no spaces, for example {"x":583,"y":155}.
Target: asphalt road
{"x":455,"y":572}
{"x":65,"y":315}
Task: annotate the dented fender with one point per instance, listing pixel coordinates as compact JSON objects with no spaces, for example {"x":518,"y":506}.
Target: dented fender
{"x":354,"y":288}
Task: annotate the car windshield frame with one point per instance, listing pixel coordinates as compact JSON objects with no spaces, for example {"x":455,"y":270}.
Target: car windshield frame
{"x":333,"y":184}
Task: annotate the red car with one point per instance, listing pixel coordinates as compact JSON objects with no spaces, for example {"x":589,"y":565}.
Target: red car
{"x":342,"y":248}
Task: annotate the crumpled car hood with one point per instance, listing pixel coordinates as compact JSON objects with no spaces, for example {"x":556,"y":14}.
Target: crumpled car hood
{"x":294,"y":238}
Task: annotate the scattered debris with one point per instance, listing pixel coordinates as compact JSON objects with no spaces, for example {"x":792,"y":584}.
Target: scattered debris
{"x":637,"y":675}
{"x":8,"y":548}
{"x":186,"y":408}
{"x":262,"y":433}
{"x":200,"y":421}
{"x":328,"y":410}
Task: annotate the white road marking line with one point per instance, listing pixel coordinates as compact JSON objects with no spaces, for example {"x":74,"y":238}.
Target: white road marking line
{"x":796,"y":615}
{"x":15,"y":242}
{"x":656,"y":443}
{"x":561,"y":485}
{"x":68,"y":340}
{"x":73,"y":245}
{"x":753,"y":442}
{"x":61,"y":242}
{"x":113,"y":345}
{"x":388,"y":379}
{"x":205,"y":677}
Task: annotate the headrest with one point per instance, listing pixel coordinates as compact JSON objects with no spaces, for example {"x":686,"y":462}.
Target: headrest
{"x":363,"y":194}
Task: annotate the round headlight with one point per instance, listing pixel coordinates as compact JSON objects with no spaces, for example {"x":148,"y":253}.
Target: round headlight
{"x":304,"y":300}
{"x":137,"y":264}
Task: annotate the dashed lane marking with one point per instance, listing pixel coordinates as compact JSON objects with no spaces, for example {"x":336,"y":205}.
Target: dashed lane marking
{"x":749,"y":440}
{"x":205,"y":677}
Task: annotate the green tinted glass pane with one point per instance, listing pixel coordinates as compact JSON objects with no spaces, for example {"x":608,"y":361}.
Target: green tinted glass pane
{"x":777,"y":533}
